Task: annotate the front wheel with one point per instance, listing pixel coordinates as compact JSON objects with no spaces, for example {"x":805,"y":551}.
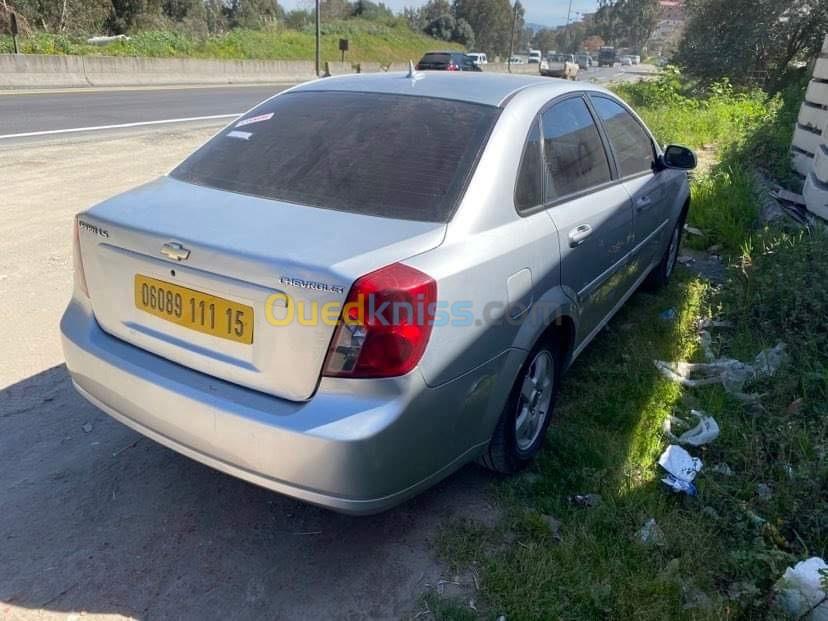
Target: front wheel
{"x":660,"y":275}
{"x":520,"y":432}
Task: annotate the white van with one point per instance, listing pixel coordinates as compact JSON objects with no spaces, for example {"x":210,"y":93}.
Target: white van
{"x":478,"y":58}
{"x":534,"y":57}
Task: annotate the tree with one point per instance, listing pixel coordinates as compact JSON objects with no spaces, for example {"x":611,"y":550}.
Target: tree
{"x":593,"y":43}
{"x":637,"y":20}
{"x":491,"y":21}
{"x":630,"y":22}
{"x":545,"y":40}
{"x":252,"y":13}
{"x":741,"y":39}
{"x":370,"y":10}
{"x":442,"y":28}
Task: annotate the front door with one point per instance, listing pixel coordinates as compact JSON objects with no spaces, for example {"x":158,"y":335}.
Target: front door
{"x":593,"y":214}
{"x":635,"y":157}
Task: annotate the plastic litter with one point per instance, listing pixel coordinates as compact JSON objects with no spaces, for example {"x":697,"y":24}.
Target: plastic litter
{"x":104,"y":40}
{"x":801,"y":590}
{"x":723,"y":469}
{"x":651,"y":533}
{"x":692,"y":230}
{"x":732,"y":374}
{"x":668,"y":315}
{"x":704,"y":432}
{"x":764,"y":491}
{"x":681,"y":469}
{"x":586,"y":500}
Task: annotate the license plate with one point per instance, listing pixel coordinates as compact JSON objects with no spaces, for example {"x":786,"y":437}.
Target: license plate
{"x":195,"y":310}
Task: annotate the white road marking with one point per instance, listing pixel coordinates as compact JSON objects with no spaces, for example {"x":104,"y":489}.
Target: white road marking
{"x":75,"y":130}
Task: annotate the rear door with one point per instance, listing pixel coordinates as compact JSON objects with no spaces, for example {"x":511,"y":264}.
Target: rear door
{"x":592,"y":213}
{"x":635,"y":156}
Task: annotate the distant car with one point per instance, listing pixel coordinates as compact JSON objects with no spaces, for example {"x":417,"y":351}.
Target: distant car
{"x":607,"y":57}
{"x":560,"y":66}
{"x":469,"y":64}
{"x":626,"y":61}
{"x":446,"y":61}
{"x":478,"y":58}
{"x":636,"y":59}
{"x":535,"y":57}
{"x":368,"y":281}
{"x":584,"y":61}
{"x":517,"y":60}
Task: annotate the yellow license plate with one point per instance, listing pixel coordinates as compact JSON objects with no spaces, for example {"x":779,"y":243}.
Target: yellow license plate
{"x":194,"y":310}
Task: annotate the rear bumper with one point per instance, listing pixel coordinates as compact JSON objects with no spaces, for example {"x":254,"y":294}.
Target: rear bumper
{"x":358,"y":446}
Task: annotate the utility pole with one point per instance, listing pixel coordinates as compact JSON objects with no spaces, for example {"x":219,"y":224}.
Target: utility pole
{"x":568,"y":17}
{"x":318,"y":36}
{"x":512,"y":37}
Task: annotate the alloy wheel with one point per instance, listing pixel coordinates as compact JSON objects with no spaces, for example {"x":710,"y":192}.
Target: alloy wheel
{"x":535,"y":400}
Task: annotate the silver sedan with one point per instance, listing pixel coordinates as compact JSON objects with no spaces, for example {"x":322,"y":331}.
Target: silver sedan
{"x":366,"y":282}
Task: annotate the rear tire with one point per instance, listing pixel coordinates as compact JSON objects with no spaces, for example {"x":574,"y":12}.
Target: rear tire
{"x":522,"y":427}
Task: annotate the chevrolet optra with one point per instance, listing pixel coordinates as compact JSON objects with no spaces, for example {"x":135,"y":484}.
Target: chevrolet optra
{"x":366,"y":282}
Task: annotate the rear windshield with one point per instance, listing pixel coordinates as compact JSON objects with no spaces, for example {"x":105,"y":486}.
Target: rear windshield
{"x":395,"y":156}
{"x":436,"y":58}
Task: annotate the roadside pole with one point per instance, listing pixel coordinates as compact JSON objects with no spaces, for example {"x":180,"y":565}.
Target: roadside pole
{"x":512,"y":38}
{"x":318,"y":36}
{"x":568,"y":17}
{"x":14,"y":31}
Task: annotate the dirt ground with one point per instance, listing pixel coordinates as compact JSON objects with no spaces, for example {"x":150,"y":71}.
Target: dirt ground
{"x":98,"y":522}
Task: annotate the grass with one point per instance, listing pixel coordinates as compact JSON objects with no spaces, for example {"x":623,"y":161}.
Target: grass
{"x":749,"y":130}
{"x":724,"y":549}
{"x":369,"y":41}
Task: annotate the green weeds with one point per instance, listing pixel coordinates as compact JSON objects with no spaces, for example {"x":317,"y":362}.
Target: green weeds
{"x":370,"y":41}
{"x":723,"y":550}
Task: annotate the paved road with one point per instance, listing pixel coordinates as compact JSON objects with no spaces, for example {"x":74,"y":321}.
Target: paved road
{"x":96,"y":521}
{"x":47,"y":112}
{"x":42,"y":112}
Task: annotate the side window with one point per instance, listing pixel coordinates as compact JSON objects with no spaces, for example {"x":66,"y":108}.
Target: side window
{"x":573,"y":152}
{"x":631,"y":144}
{"x":529,"y":190}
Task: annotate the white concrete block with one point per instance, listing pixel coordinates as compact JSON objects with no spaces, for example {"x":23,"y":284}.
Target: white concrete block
{"x":811,"y":116}
{"x":821,"y":69}
{"x":807,"y":140}
{"x":817,"y":93}
{"x":801,"y":163}
{"x":816,"y":197}
{"x":821,"y":164}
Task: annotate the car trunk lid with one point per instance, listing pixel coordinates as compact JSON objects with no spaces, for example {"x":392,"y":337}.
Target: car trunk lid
{"x":277,"y":259}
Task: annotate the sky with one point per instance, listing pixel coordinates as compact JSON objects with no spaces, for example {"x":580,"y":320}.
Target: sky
{"x":545,"y":12}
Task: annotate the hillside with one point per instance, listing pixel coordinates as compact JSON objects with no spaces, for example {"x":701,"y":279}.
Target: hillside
{"x":368,"y":40}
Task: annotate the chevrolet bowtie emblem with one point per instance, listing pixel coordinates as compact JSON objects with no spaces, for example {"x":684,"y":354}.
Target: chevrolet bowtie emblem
{"x":175,"y":251}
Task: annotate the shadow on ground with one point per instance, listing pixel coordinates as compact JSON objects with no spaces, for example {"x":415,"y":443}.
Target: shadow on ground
{"x":96,"y":518}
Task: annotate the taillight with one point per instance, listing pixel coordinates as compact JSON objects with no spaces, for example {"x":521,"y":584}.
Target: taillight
{"x":77,"y":261}
{"x":385,"y":324}
{"x":451,"y":67}
{"x":419,"y":67}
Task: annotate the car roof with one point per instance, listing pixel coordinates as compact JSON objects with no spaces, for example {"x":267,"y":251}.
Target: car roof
{"x":491,"y":89}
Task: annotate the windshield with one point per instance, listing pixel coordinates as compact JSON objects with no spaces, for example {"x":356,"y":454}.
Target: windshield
{"x":395,"y":156}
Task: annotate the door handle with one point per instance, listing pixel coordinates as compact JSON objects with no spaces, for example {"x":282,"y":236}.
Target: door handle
{"x":643,"y":203}
{"x":579,"y":234}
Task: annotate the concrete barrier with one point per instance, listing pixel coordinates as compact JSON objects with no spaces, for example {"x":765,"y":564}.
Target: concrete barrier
{"x":809,"y":147}
{"x":42,"y":71}
{"x":338,"y":68}
{"x":19,"y":71}
{"x":522,"y":69}
{"x":369,"y":68}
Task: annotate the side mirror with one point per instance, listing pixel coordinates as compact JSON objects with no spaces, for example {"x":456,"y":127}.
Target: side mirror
{"x":676,"y":156}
